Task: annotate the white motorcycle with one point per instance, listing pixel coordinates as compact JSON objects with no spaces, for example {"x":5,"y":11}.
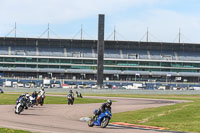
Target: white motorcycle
{"x":20,"y":106}
{"x":32,"y":101}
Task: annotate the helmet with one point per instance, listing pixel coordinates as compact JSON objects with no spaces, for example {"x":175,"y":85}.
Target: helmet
{"x":109,"y":102}
{"x":70,"y":91}
{"x":26,"y":95}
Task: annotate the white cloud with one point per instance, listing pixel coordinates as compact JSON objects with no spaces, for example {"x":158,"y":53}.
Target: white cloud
{"x":58,"y":11}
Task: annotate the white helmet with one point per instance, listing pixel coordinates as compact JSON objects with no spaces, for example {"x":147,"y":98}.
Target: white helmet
{"x":109,"y":102}
{"x":27,"y":95}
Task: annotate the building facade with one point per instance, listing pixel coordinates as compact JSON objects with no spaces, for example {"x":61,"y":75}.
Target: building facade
{"x":77,"y":59}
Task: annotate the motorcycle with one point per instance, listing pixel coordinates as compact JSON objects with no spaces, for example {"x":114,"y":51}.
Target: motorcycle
{"x":102,"y":120}
{"x":70,"y":99}
{"x":40,"y":99}
{"x":32,"y":101}
{"x":20,"y":105}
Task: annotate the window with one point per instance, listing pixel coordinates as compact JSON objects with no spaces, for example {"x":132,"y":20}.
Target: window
{"x":53,"y":60}
{"x":64,"y":61}
{"x":20,"y":60}
{"x":43,"y":60}
{"x":9,"y":59}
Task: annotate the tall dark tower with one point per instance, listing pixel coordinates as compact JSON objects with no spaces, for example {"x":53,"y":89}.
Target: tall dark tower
{"x":100,"y":49}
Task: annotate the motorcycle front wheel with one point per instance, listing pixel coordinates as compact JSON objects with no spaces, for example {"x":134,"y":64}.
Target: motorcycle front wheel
{"x":104,"y":122}
{"x":19,"y":110}
{"x":90,"y":123}
{"x":42,"y":101}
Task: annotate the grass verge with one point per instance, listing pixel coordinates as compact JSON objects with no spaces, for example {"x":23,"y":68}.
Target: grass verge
{"x":6,"y":99}
{"x":7,"y":130}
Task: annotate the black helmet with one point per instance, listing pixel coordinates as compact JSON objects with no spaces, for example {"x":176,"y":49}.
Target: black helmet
{"x":109,"y":102}
{"x":70,"y":91}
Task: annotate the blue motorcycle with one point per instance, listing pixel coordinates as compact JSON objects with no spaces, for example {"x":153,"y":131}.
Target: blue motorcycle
{"x":102,"y":120}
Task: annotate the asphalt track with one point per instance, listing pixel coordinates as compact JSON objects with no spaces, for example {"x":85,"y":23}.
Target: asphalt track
{"x":66,"y":118}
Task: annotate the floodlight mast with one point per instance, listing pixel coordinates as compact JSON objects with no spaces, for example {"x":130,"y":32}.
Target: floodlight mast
{"x":100,"y":49}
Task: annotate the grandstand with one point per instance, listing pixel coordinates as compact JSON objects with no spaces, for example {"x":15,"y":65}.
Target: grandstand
{"x":77,"y":59}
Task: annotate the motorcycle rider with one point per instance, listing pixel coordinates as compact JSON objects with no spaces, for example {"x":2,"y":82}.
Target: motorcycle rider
{"x":103,"y":108}
{"x":27,"y":100}
{"x":41,"y":93}
{"x":70,"y":95}
{"x":34,"y":96}
{"x":21,"y":101}
{"x":21,"y":97}
{"x":78,"y":94}
{"x":24,"y":98}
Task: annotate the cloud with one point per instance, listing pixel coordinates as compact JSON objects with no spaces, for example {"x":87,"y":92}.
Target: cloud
{"x":59,"y":11}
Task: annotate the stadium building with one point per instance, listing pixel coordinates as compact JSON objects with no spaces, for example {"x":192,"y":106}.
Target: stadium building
{"x":77,"y":59}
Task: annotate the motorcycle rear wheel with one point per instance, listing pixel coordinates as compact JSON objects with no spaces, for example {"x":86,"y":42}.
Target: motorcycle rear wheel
{"x":104,"y":122}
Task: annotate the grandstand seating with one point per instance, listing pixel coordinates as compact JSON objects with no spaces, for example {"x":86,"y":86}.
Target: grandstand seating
{"x":111,"y":53}
{"x":32,"y":50}
{"x":192,"y":56}
{"x":23,"y":50}
{"x":134,"y":54}
{"x":51,"y":51}
{"x":162,"y":55}
{"x":79,"y":52}
{"x":4,"y":50}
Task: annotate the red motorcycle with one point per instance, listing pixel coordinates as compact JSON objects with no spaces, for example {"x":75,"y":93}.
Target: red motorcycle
{"x":40,"y":100}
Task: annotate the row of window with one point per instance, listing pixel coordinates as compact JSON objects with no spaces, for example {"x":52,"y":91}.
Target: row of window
{"x":95,"y":68}
{"x":106,"y":62}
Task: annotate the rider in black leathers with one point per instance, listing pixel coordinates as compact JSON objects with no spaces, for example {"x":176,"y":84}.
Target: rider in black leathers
{"x":70,"y":97}
{"x":106,"y":106}
{"x":24,"y":98}
{"x":103,"y":108}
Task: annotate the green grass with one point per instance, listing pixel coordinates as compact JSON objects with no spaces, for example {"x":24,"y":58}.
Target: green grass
{"x":8,"y":98}
{"x":6,"y":130}
{"x":179,"y":117}
{"x":11,"y":99}
{"x":154,"y":96}
{"x":63,"y":100}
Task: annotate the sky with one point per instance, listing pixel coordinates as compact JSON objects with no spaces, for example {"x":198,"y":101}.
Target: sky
{"x":131,"y":19}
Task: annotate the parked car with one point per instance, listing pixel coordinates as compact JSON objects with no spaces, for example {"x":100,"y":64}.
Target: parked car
{"x":164,"y":87}
{"x":1,"y":91}
{"x":94,"y":86}
{"x":20,"y":84}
